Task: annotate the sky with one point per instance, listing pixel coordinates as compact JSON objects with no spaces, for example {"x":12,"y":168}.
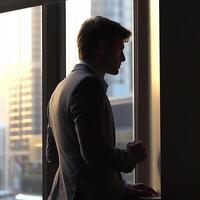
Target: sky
{"x":76,"y":13}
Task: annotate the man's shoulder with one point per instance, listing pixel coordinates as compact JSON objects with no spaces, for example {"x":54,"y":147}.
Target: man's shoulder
{"x":77,"y":81}
{"x":89,"y":82}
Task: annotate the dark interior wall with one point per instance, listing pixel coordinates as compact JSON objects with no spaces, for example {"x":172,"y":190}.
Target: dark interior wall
{"x":180,"y":99}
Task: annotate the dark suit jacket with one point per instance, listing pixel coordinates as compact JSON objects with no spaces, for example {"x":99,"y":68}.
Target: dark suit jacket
{"x":81,"y":122}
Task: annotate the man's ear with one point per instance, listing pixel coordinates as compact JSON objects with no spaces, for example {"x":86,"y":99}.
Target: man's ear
{"x":102,"y":47}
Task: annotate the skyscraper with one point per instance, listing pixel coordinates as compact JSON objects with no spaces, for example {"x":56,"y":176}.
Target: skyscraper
{"x":25,"y":115}
{"x":3,"y":161}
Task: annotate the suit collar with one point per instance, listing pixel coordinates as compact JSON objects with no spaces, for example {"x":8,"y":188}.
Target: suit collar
{"x":86,"y":67}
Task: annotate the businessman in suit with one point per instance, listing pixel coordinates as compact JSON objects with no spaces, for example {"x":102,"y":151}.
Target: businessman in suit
{"x":81,"y":132}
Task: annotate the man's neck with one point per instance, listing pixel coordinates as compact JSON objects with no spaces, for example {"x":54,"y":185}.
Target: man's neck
{"x":96,"y":67}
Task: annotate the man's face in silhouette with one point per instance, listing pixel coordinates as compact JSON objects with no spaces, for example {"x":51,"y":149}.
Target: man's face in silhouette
{"x":113,"y":57}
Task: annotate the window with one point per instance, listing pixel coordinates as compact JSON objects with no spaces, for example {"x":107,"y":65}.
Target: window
{"x":20,"y":107}
{"x":21,"y":93}
{"x":120,"y":86}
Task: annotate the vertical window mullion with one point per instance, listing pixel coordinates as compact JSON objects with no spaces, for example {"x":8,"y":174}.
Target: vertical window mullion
{"x":54,"y":59}
{"x":141,"y":84}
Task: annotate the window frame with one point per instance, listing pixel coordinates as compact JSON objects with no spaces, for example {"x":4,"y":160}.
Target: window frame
{"x":11,"y":5}
{"x":142,"y":84}
{"x":54,"y":59}
{"x":53,"y":69}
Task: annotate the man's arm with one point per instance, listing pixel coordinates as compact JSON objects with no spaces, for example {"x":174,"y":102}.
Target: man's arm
{"x":51,"y":149}
{"x":87,"y":106}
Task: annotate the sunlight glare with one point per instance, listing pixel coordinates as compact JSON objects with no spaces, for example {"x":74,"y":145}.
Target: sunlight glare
{"x":76,"y":12}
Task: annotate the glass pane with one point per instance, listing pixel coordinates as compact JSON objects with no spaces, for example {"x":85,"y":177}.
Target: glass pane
{"x":21,"y":104}
{"x":120,"y":86}
{"x":120,"y":11}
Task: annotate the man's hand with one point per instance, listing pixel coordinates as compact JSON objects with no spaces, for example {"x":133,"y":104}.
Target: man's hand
{"x":137,"y":149}
{"x":139,"y":190}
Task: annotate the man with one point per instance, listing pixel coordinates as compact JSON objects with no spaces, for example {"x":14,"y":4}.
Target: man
{"x":81,"y":122}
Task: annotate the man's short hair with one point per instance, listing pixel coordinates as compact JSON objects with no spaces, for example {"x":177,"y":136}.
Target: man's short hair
{"x":95,"y":30}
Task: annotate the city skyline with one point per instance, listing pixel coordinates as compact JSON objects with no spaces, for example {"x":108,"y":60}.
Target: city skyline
{"x":22,"y":99}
